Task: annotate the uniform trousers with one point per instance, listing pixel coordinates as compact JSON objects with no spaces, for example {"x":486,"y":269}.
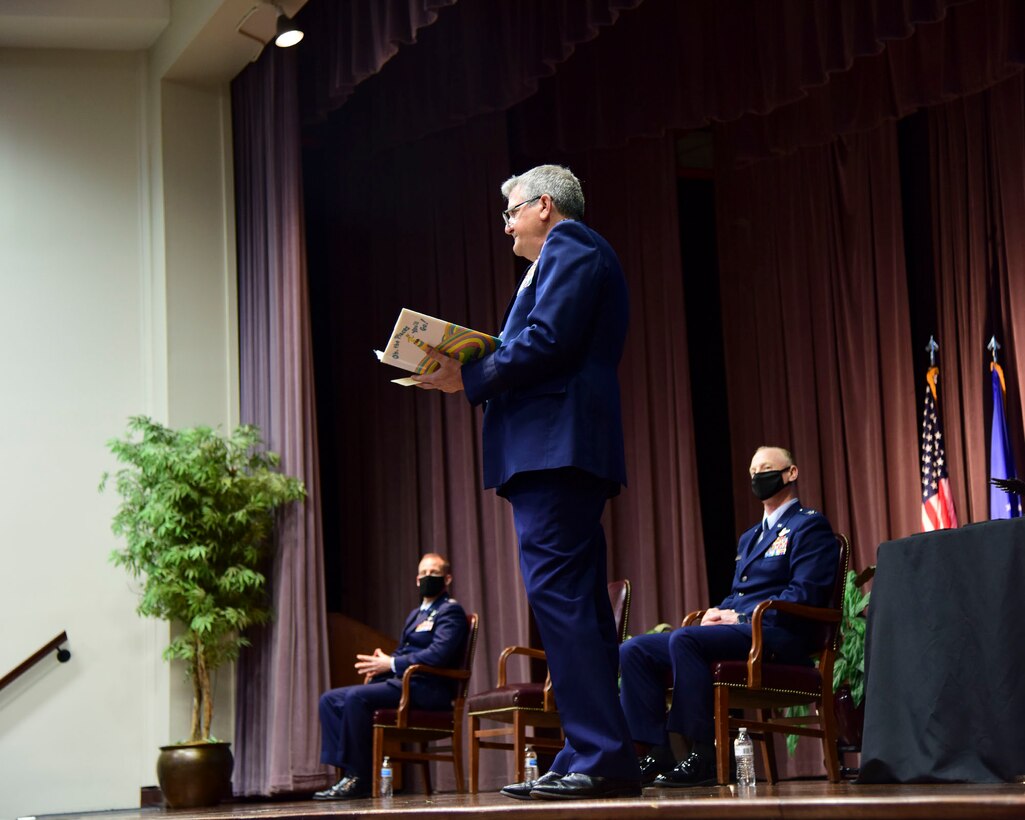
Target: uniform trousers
{"x":347,"y":721}
{"x":562,"y":557}
{"x":682,"y":659}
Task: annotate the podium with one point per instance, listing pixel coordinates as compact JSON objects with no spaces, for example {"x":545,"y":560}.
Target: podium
{"x":945,"y":658}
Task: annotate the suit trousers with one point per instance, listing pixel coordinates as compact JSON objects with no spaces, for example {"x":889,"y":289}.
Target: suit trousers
{"x":562,"y":558}
{"x":683,"y":658}
{"x":347,"y":721}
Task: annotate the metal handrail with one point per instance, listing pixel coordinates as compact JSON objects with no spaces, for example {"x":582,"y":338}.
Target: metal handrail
{"x":63,"y":656}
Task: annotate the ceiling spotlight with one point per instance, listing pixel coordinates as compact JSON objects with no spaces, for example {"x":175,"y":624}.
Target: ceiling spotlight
{"x":288,"y":34}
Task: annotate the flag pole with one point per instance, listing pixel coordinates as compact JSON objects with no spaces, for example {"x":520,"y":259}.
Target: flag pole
{"x":993,"y":347}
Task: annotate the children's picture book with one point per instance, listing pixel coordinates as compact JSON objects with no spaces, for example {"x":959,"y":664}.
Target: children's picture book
{"x":414,"y":330}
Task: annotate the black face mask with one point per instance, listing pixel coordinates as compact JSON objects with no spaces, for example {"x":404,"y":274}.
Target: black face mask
{"x":431,"y":586}
{"x":766,"y":484}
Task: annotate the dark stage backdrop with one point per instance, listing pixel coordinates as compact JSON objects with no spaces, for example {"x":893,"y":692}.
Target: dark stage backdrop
{"x":442,"y":101}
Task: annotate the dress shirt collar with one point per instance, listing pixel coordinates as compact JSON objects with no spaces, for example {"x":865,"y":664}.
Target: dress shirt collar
{"x":769,"y":522}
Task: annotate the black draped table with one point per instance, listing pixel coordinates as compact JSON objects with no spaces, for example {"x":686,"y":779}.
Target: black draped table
{"x":945,"y":658}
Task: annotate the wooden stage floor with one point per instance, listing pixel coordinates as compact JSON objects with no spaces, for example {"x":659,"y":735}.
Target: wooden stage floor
{"x":799,"y":800}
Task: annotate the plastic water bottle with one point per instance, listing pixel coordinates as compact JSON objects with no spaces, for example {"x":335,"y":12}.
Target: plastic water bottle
{"x":745,"y":752}
{"x":386,"y":778}
{"x":529,"y":765}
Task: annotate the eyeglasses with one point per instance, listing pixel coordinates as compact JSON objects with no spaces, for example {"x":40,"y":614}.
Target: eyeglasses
{"x":509,"y":216}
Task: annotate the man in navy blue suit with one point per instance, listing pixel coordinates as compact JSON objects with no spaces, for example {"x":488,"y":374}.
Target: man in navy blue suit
{"x":553,"y":446}
{"x":790,"y":555}
{"x":435,"y":634}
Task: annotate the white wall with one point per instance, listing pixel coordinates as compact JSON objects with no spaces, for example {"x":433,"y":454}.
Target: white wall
{"x":116,"y":298}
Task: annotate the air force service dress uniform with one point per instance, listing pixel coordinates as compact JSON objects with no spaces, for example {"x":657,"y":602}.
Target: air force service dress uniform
{"x":435,"y":636}
{"x":553,"y":446}
{"x":795,"y":561}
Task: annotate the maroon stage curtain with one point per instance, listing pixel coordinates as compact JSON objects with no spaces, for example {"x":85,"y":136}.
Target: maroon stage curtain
{"x":419,"y":228}
{"x":972,"y":47}
{"x":348,"y":41}
{"x":279,"y":679}
{"x":977,"y":160}
{"x":482,"y":56}
{"x":816,"y":331}
{"x":680,"y":65}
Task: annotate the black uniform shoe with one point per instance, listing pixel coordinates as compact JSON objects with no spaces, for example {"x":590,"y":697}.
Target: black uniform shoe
{"x":521,"y":791}
{"x":348,"y":788}
{"x":577,"y":786}
{"x":659,"y":761}
{"x":694,"y":770}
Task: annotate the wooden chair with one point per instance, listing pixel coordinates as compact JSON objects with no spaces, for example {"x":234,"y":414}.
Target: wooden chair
{"x":395,"y":727}
{"x":768,"y":687}
{"x":526,"y":704}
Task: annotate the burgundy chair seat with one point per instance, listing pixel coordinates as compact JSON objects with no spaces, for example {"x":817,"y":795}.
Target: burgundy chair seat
{"x":416,"y":719}
{"x":526,"y":695}
{"x":775,"y":677}
{"x":526,"y":705}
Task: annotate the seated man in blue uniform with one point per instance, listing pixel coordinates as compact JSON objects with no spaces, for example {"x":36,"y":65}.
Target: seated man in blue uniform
{"x":790,"y":555}
{"x":435,"y":634}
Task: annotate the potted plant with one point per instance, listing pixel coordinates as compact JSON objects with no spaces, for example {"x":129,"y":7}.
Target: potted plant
{"x":849,"y":664}
{"x":197,"y":518}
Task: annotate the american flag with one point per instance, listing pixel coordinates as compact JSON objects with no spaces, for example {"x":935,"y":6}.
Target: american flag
{"x":937,"y":502}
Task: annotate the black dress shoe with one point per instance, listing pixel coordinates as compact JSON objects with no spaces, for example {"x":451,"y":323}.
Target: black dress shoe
{"x":348,"y":788}
{"x":577,"y":786}
{"x":694,"y":770}
{"x":521,"y":791}
{"x":652,"y":765}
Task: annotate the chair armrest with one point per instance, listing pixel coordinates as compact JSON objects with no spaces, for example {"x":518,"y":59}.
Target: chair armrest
{"x":754,"y":658}
{"x":691,"y":617}
{"x":538,"y":654}
{"x":422,"y":669}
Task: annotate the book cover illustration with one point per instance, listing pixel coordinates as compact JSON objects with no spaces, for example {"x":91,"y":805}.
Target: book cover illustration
{"x":413,"y":330}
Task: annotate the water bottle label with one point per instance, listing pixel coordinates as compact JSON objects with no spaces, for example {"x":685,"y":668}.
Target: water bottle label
{"x":385,"y":772}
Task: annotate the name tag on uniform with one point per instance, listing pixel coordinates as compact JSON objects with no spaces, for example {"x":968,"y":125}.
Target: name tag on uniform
{"x":425,"y":626}
{"x":779,"y":546}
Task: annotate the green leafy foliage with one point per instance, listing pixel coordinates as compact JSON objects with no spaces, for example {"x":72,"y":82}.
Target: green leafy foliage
{"x":197,"y":517}
{"x":849,"y":666}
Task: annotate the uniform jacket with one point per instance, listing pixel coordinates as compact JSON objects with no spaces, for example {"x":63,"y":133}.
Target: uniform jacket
{"x":436,"y":637}
{"x":797,"y":562}
{"x":550,"y":390}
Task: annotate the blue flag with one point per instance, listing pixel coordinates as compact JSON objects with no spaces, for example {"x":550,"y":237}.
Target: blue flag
{"x":1001,"y":460}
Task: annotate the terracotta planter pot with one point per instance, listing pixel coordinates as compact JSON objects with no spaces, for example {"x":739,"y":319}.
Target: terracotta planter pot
{"x":195,"y":775}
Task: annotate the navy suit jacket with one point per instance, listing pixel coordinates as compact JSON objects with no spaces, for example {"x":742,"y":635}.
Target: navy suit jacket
{"x":441,"y":644}
{"x":550,"y":391}
{"x":797,"y":562}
